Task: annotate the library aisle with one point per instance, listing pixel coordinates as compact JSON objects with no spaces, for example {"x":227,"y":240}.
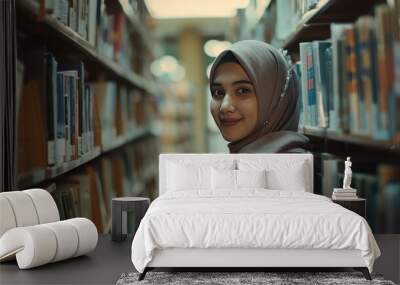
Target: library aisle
{"x":94,"y":90}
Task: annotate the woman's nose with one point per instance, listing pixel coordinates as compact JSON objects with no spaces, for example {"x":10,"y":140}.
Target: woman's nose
{"x":227,"y":104}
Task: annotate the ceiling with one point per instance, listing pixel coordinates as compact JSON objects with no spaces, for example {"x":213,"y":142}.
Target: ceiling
{"x":209,"y":27}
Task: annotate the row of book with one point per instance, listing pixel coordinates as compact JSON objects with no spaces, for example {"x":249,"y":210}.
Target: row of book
{"x":123,"y":110}
{"x":88,"y":191}
{"x":61,"y":116}
{"x":348,"y":81}
{"x":79,"y":15}
{"x":378,"y":183}
{"x":177,"y":119}
{"x":105,"y":28}
{"x":344,"y":194}
{"x":275,"y":25}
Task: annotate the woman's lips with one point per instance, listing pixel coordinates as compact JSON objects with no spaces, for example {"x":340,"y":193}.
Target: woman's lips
{"x":229,"y":122}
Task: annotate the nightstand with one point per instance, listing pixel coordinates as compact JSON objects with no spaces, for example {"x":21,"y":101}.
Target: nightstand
{"x":357,"y":205}
{"x":120,"y":208}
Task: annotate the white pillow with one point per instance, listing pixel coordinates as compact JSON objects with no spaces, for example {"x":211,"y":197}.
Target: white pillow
{"x":223,"y":179}
{"x":251,"y":178}
{"x":295,"y":180}
{"x":188,"y":174}
{"x":236,"y":179}
{"x":281,"y":174}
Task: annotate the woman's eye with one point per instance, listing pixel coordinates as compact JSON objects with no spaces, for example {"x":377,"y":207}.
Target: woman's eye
{"x":243,"y":91}
{"x":218,"y":93}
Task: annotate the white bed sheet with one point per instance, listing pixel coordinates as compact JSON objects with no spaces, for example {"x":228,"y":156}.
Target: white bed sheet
{"x":250,"y":218}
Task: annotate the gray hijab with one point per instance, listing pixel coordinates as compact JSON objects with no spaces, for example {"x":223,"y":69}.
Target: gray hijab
{"x":278,"y":116}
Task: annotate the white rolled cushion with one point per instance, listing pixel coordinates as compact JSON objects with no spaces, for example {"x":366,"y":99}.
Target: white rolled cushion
{"x":40,"y":244}
{"x":87,"y":235}
{"x":251,"y":178}
{"x":223,"y":179}
{"x":67,"y":240}
{"x":281,"y":175}
{"x":7,"y":218}
{"x":45,"y":205}
{"x":33,"y":245}
{"x":23,"y":208}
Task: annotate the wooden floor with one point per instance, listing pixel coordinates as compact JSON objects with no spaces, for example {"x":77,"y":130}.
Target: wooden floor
{"x":110,"y":260}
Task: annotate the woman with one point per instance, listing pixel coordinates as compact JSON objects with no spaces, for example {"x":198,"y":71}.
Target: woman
{"x":255,"y":101}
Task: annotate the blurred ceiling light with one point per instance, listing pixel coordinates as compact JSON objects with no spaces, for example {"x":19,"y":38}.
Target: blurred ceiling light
{"x":168,"y":67}
{"x":194,"y":8}
{"x":213,"y":48}
{"x":179,"y":74}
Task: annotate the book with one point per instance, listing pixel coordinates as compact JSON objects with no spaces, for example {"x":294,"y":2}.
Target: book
{"x":93,"y":17}
{"x":344,"y":198}
{"x":338,"y":69}
{"x":82,"y":18}
{"x":351,"y":80}
{"x":322,"y":61}
{"x":83,"y":180}
{"x":304,"y":91}
{"x":32,"y":144}
{"x":51,"y":95}
{"x":61,"y":138}
{"x":383,"y":15}
{"x":366,"y":65}
{"x":344,"y":191}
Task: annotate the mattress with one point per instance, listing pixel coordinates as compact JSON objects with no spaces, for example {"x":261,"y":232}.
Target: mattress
{"x":251,"y":219}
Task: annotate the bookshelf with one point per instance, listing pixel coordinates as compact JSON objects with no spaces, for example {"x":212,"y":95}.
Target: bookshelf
{"x":38,"y":176}
{"x":387,"y":147}
{"x":56,"y":33}
{"x":350,"y":52}
{"x":135,"y":22}
{"x":84,"y":103}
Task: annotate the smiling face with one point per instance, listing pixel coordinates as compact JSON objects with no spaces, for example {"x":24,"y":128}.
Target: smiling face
{"x":234,"y":102}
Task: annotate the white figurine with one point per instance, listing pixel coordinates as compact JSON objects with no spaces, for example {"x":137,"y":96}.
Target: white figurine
{"x":347,"y":174}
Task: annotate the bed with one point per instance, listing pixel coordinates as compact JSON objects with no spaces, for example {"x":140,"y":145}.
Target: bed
{"x":246,"y":211}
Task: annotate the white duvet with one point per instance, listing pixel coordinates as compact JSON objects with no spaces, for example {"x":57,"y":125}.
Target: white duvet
{"x":251,"y":218}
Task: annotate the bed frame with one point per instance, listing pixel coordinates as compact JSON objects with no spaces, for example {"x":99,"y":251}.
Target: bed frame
{"x":249,"y":258}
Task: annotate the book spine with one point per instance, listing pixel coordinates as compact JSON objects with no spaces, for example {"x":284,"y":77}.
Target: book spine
{"x":51,"y":95}
{"x":304,"y":80}
{"x":396,"y":51}
{"x":63,"y":10}
{"x":329,"y":87}
{"x":67,"y":118}
{"x":311,"y":87}
{"x":92,"y":21}
{"x":366,"y":73}
{"x":351,"y":82}
{"x":322,"y":64}
{"x":60,"y":119}
{"x":360,"y":46}
{"x":91,"y":136}
{"x":339,"y":119}
{"x":81,"y":73}
{"x":73,"y":86}
{"x":76,"y":118}
{"x":383,"y":52}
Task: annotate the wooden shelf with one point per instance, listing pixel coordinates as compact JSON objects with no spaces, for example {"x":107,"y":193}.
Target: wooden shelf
{"x":386,"y":146}
{"x":315,"y":24}
{"x":40,"y":175}
{"x":55,"y":171}
{"x":56,"y":33}
{"x":135,"y":22}
{"x":120,"y":141}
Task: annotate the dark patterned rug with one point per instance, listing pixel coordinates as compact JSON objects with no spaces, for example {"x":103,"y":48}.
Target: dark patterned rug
{"x":225,"y":278}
